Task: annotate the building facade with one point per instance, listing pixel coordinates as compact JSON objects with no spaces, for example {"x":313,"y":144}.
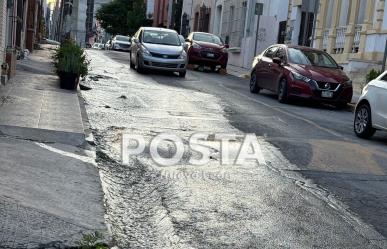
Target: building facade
{"x":162,"y":13}
{"x":3,"y":25}
{"x":247,"y":32}
{"x":300,"y":25}
{"x":354,"y":32}
{"x":197,"y":15}
{"x":20,"y":28}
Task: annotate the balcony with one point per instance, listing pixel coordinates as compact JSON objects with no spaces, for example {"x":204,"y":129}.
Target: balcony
{"x":340,"y":40}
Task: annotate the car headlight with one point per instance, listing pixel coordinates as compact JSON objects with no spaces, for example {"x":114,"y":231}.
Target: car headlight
{"x":301,"y":77}
{"x":144,"y":50}
{"x":255,"y":62}
{"x":183,"y":55}
{"x":348,"y":83}
{"x":195,"y":45}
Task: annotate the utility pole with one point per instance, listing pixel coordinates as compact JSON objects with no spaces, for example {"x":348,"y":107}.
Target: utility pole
{"x":258,"y":12}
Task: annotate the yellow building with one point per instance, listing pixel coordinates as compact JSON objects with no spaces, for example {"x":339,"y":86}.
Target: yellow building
{"x":354,"y":32}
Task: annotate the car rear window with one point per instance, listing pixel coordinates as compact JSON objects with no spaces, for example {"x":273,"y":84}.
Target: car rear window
{"x":122,"y":38}
{"x":207,"y":38}
{"x":311,"y":58}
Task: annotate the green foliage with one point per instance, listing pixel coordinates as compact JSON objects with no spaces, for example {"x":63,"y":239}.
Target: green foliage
{"x":70,"y":58}
{"x":136,"y":16}
{"x":177,"y":10}
{"x":373,"y":74}
{"x":122,"y":16}
{"x":91,"y":241}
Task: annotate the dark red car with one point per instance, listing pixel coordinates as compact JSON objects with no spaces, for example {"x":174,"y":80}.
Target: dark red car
{"x":207,"y":49}
{"x":301,"y":72}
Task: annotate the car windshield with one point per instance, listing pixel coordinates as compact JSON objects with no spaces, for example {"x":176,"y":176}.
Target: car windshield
{"x":207,"y":38}
{"x":311,"y":58}
{"x":122,"y":38}
{"x":161,"y":37}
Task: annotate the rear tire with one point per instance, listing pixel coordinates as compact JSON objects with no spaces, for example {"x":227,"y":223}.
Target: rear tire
{"x":132,"y":66}
{"x":283,"y":91}
{"x":139,"y":67}
{"x":182,"y":74}
{"x":362,"y":124}
{"x":254,"y":88}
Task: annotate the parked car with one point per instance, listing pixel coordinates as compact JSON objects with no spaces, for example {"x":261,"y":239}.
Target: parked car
{"x":121,"y":42}
{"x":158,"y":48}
{"x":207,"y":49}
{"x":371,"y":110}
{"x":108,"y":45}
{"x":96,"y":45}
{"x":301,"y":72}
{"x":183,"y":43}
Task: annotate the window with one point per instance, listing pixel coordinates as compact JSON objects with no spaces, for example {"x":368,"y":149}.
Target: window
{"x":122,"y":38}
{"x":281,"y":53}
{"x":311,"y":58}
{"x":270,"y":52}
{"x":207,"y":38}
{"x":161,"y":37}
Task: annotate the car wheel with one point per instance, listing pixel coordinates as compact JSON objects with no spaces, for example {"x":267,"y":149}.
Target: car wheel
{"x":283,"y":91}
{"x":182,"y":74}
{"x":362,"y":124}
{"x":139,"y":67}
{"x":131,"y":65}
{"x":254,"y":84}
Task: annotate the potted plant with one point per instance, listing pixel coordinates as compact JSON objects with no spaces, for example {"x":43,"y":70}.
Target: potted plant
{"x":71,"y":63}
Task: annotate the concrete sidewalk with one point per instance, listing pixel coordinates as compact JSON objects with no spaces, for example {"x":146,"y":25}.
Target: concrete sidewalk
{"x":50,"y":190}
{"x":33,"y":106}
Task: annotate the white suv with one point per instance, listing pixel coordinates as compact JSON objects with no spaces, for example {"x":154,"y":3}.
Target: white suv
{"x":371,"y":110}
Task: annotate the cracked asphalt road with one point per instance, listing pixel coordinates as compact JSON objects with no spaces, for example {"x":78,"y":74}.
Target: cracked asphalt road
{"x":321,"y":187}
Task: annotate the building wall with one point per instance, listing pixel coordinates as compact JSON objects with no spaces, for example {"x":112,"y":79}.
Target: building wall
{"x":235,"y":21}
{"x":193,"y":13}
{"x":162,"y":13}
{"x":3,"y":29}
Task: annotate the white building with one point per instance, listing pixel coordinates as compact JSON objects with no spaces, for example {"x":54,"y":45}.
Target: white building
{"x":236,"y":21}
{"x":74,"y":21}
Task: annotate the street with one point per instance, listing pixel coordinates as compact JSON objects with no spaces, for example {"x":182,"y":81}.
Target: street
{"x":322,"y":186}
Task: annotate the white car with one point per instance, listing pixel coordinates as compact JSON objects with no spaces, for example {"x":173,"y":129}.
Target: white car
{"x":121,"y":42}
{"x":371,"y":110}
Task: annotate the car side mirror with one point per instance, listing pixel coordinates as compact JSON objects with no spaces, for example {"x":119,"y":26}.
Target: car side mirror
{"x":188,"y":40}
{"x":341,"y":67}
{"x":227,"y":46}
{"x":277,"y":60}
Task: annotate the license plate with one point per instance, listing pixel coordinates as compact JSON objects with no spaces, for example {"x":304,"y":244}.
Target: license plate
{"x":210,"y":55}
{"x":326,"y":94}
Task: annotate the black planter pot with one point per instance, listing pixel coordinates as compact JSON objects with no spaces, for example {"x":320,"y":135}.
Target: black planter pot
{"x":68,"y":81}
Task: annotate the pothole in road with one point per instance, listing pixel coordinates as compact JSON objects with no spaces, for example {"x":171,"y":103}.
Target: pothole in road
{"x":135,"y":202}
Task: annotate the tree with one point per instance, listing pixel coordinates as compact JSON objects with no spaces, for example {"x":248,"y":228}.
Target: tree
{"x":122,"y":16}
{"x":137,"y":16}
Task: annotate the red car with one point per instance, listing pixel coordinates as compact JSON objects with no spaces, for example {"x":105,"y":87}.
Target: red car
{"x":207,"y":49}
{"x":301,"y":72}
